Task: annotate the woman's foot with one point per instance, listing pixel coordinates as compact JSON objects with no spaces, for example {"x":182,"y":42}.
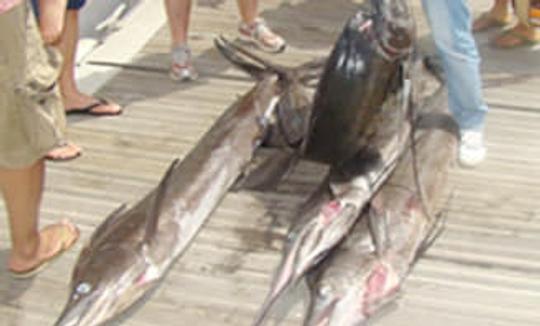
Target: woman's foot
{"x":259,"y":34}
{"x":490,"y":20}
{"x":51,"y":19}
{"x":64,"y":152}
{"x":518,"y":36}
{"x":85,"y":104}
{"x":53,"y":240}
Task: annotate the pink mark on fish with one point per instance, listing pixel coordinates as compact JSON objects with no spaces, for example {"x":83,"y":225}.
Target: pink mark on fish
{"x":330,"y":211}
{"x":367,"y":24}
{"x":378,"y":285}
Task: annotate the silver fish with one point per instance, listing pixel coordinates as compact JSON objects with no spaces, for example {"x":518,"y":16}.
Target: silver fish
{"x":131,"y":251}
{"x":366,"y":271}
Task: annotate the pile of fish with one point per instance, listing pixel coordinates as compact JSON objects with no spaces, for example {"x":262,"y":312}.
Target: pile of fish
{"x":374,"y":119}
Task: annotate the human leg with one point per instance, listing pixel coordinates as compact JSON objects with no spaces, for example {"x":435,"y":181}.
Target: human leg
{"x":450,"y":23}
{"x":75,"y":100}
{"x":497,"y":16}
{"x":22,"y":189}
{"x":255,"y":30}
{"x":51,"y":19}
{"x":178,"y":17}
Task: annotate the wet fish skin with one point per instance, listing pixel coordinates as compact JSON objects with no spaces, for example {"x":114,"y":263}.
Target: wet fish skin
{"x":365,"y":67}
{"x":359,"y":278}
{"x":131,"y":251}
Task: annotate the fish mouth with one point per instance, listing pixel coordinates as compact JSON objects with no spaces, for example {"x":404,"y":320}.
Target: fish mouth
{"x":86,"y":312}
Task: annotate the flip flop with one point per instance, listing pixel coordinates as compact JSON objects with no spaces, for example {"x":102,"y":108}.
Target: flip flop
{"x":521,"y":40}
{"x":69,"y":235}
{"x":89,"y":109}
{"x":485,"y":21}
{"x":52,"y":158}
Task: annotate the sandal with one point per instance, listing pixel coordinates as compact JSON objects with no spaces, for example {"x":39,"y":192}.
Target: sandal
{"x":90,"y":109}
{"x":511,"y":39}
{"x":67,"y":236}
{"x":261,"y":35}
{"x":65,"y":151}
{"x":486,"y":21}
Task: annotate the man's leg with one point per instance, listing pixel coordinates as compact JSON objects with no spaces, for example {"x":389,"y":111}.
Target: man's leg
{"x":22,"y":190}
{"x":450,"y":22}
{"x":255,"y":30}
{"x":72,"y":97}
{"x":178,"y":15}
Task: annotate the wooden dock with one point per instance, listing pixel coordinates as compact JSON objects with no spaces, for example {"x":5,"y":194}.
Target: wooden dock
{"x":484,"y":270}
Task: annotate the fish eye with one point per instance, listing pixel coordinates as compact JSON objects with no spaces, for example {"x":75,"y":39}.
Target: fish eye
{"x":83,"y":288}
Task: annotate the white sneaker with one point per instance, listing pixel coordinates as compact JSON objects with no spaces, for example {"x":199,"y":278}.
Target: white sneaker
{"x":182,"y":68}
{"x":471,"y":148}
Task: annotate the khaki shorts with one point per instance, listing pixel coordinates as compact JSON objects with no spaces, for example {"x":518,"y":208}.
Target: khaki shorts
{"x":32,"y":120}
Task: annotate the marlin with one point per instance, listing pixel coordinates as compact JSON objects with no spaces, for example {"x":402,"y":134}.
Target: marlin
{"x":367,"y":65}
{"x":329,"y":214}
{"x":130,"y":252}
{"x":367,"y":270}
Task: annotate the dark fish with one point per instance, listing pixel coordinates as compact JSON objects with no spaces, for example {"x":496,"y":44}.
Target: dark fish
{"x":330,"y":213}
{"x":366,"y":66}
{"x":366,"y":271}
{"x":131,"y":251}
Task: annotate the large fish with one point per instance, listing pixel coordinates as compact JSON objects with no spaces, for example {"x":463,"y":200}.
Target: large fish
{"x":365,"y":67}
{"x":131,"y":251}
{"x":366,"y":271}
{"x":327,"y":217}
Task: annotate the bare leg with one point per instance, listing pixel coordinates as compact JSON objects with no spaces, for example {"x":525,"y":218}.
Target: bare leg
{"x":249,"y":10}
{"x":72,"y":97}
{"x":22,"y":189}
{"x":254,"y":29}
{"x":178,"y":13}
{"x":51,"y":19}
{"x":498,"y":16}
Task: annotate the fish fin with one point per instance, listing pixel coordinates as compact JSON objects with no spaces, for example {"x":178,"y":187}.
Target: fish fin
{"x":251,"y":69}
{"x":266,"y":173}
{"x":377,"y":227}
{"x":107,"y":222}
{"x":155,"y":209}
{"x":231,"y":51}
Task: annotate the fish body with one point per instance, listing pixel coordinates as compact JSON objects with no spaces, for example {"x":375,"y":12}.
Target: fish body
{"x":364,"y":273}
{"x":365,"y":67}
{"x":131,"y":250}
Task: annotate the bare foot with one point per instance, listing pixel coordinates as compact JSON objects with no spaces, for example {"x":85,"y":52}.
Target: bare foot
{"x":53,"y":240}
{"x":64,"y":152}
{"x":82,"y":103}
{"x":51,"y":19}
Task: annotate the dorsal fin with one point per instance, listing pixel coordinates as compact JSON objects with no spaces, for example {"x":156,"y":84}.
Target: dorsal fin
{"x":254,"y":70}
{"x":107,"y":222}
{"x":157,"y":204}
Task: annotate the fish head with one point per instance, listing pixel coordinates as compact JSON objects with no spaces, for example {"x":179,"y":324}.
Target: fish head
{"x":105,"y":283}
{"x":395,"y":27}
{"x":347,"y":295}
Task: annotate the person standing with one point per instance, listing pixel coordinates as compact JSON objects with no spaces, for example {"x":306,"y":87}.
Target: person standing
{"x":252,"y":29}
{"x":31,"y":124}
{"x":451,"y":26}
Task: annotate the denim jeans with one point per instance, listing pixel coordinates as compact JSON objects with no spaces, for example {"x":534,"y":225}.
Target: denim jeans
{"x":450,"y":22}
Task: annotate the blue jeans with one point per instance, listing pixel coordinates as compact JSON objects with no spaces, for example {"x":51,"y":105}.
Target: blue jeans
{"x":450,"y":22}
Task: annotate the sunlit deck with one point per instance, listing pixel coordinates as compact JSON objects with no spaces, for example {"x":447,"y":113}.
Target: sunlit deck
{"x":484,"y":270}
